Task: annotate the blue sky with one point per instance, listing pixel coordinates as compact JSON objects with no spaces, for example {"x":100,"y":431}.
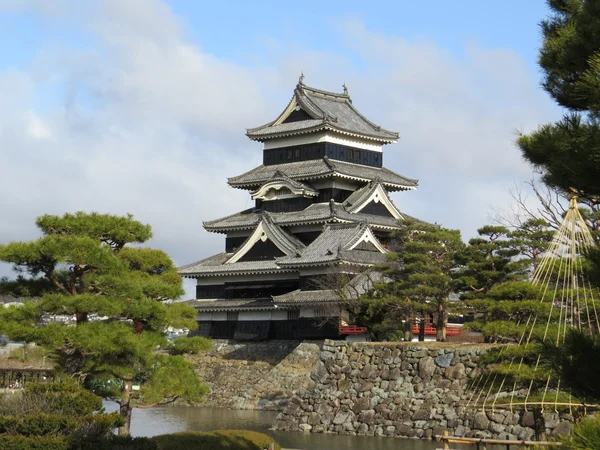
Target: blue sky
{"x":140,"y":106}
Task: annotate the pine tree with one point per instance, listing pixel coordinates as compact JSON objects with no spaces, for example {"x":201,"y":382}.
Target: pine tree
{"x":486,"y":261}
{"x":418,"y":280}
{"x":568,"y":152}
{"x":85,"y":266}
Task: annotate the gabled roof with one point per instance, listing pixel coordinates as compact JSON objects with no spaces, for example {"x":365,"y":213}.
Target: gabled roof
{"x":372,"y":192}
{"x":327,"y":111}
{"x":267,"y":229}
{"x":323,"y":168}
{"x":338,"y":243}
{"x":280,"y":179}
{"x":317,"y":213}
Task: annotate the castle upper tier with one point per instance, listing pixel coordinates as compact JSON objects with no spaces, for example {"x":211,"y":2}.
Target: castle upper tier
{"x":322,"y":210}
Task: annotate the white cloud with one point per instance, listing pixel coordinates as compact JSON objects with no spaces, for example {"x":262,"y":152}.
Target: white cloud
{"x":151,"y":124}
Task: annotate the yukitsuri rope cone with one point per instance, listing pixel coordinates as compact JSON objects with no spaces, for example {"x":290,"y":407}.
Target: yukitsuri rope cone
{"x":570,"y":303}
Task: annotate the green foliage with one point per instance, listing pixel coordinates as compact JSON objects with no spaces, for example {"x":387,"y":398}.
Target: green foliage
{"x":487,"y":261}
{"x":189,"y":345}
{"x":58,"y":425}
{"x":576,"y":362}
{"x":216,"y":440}
{"x":115,"y":443}
{"x":585,"y":435}
{"x":10,"y":442}
{"x":417,"y":281}
{"x":568,"y":153}
{"x":88,"y":268}
{"x":63,"y":397}
{"x":172,"y":379}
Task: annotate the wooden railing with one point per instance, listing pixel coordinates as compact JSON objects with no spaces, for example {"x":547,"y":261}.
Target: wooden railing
{"x":482,"y":442}
{"x":352,"y":329}
{"x":432,"y":331}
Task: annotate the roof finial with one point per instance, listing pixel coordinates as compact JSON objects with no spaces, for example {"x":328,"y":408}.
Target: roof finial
{"x":345,"y":88}
{"x":301,"y":79}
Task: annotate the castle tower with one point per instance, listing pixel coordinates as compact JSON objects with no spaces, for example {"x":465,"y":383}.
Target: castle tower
{"x":322,"y":208}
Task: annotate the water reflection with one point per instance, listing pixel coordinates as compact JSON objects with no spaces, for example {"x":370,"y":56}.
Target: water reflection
{"x":153,"y":421}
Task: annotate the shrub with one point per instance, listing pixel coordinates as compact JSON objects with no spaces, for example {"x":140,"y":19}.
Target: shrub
{"x":189,"y":345}
{"x":116,"y":443}
{"x":64,"y":397}
{"x":91,"y":426}
{"x":585,"y":435}
{"x":10,"y":442}
{"x":216,"y":440}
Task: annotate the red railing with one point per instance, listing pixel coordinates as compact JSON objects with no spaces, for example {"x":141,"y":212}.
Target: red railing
{"x":352,"y":329}
{"x":432,"y":331}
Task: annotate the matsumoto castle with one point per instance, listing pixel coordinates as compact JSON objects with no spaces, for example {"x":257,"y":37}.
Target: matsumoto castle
{"x":322,"y":208}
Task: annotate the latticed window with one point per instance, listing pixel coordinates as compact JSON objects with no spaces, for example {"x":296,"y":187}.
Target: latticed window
{"x":293,"y":314}
{"x":232,"y":315}
{"x":281,"y":191}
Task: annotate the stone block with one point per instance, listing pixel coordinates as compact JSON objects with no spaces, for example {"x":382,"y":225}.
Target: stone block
{"x":444,"y":360}
{"x":342,"y":417}
{"x":480,"y":421}
{"x":367,"y":416}
{"x":422,"y":414}
{"x":426,"y":367}
{"x":319,"y":373}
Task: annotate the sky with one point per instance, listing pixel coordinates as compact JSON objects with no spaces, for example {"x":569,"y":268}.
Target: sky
{"x":141,"y":106}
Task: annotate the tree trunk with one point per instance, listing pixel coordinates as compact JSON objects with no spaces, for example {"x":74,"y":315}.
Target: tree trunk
{"x":125,"y":408}
{"x":442,"y":323}
{"x":81,"y":317}
{"x":422,"y":329}
{"x":407,"y":331}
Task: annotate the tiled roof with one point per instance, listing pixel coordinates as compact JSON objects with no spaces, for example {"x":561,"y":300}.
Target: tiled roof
{"x":323,"y":168}
{"x":287,"y":242}
{"x":232,"y":304}
{"x":328,"y":111}
{"x":315,"y":213}
{"x":362,"y":194}
{"x":357,"y":286}
{"x":215,"y":265}
{"x":334,"y":245}
{"x":307,"y":297}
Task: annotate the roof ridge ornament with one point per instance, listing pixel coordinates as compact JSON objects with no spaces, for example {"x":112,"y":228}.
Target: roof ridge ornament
{"x":345,"y":88}
{"x":301,"y":78}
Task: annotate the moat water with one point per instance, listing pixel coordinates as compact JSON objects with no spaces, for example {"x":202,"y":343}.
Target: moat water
{"x":154,"y":421}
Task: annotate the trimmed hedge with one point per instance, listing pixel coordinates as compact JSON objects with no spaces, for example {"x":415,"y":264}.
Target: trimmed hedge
{"x":117,"y":443}
{"x":56,"y":425}
{"x":215,"y":440}
{"x":10,"y":442}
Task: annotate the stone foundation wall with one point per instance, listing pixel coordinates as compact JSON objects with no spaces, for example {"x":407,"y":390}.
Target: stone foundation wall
{"x":256,"y":375}
{"x":404,"y":389}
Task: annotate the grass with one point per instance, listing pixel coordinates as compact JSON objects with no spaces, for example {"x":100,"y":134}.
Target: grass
{"x":215,"y":440}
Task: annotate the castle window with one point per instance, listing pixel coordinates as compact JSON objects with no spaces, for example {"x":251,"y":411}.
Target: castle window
{"x":293,"y":314}
{"x":353,"y":154}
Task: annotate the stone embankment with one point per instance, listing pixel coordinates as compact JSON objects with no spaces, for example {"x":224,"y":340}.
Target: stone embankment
{"x":256,"y":375}
{"x":404,"y":389}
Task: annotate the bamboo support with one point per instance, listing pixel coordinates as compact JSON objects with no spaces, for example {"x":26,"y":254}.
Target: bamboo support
{"x":481,"y":442}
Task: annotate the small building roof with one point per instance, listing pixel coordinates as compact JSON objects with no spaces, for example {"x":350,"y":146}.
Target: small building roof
{"x":335,"y":244}
{"x":359,"y":285}
{"x":323,"y":168}
{"x":323,"y":111}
